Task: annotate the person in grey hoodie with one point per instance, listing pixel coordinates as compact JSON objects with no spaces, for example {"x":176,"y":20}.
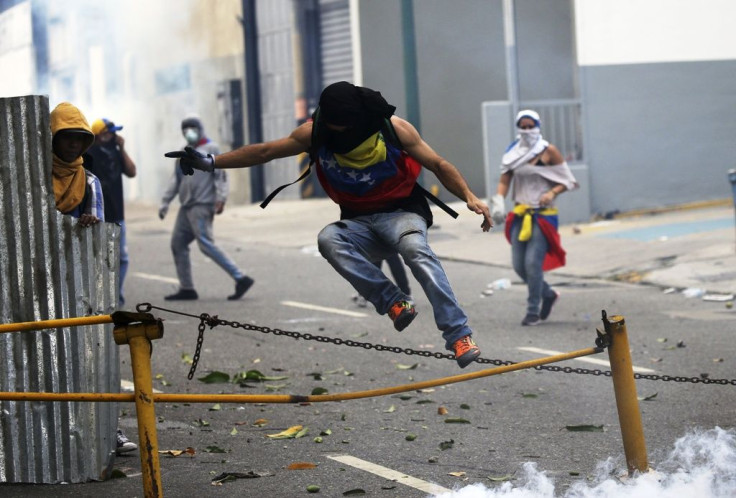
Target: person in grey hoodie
{"x":201,"y":196}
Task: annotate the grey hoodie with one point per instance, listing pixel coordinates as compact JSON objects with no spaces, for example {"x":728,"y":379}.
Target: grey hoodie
{"x":201,"y":187}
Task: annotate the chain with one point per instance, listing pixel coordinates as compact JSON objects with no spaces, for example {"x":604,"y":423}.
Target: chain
{"x":213,"y":321}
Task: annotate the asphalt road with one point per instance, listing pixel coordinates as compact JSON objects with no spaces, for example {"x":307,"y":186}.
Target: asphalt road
{"x":510,"y":419}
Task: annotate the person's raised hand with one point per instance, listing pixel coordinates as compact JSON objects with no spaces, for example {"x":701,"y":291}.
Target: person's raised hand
{"x":191,"y":159}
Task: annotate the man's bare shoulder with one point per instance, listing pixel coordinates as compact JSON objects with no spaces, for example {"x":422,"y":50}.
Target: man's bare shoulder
{"x":303,"y":134}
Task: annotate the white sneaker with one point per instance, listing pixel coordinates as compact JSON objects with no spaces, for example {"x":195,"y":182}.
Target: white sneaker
{"x":124,"y":444}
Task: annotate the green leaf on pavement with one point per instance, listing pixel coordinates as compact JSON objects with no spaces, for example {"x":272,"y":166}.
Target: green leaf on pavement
{"x":456,"y":420}
{"x":215,"y":377}
{"x":216,"y":407}
{"x":407,"y":367}
{"x":319,"y":390}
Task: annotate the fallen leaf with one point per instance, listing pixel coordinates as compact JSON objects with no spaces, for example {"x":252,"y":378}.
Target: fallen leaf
{"x":326,"y":432}
{"x":446,"y":445}
{"x":215,"y":408}
{"x":234,"y":431}
{"x":260,"y":422}
{"x":231,"y":476}
{"x":186,"y":358}
{"x":176,"y":453}
{"x":457,"y":474}
{"x":312,"y":488}
{"x":410,"y":437}
{"x":319,"y":390}
{"x":456,"y":420}
{"x":301,"y":466}
{"x":407,"y":367}
{"x":215,"y":377}
{"x":465,"y":407}
{"x":289,"y":433}
{"x":501,"y":478}
{"x":354,"y":492}
{"x":529,"y":395}
{"x":390,"y":409}
{"x":647,"y":398}
{"x":441,"y":410}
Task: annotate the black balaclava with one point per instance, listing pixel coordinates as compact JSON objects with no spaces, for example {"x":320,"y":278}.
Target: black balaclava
{"x":361,"y":109}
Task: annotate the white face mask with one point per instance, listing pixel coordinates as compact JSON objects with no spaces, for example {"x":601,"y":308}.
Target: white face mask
{"x":529,"y":137}
{"x":191,"y":135}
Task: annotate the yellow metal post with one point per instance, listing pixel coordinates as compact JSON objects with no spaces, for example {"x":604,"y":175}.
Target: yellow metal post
{"x":627,"y":402}
{"x":138,"y":337}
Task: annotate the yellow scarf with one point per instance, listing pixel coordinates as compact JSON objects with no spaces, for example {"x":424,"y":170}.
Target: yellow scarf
{"x":69,"y":182}
{"x":526,"y":211}
{"x":368,"y":153}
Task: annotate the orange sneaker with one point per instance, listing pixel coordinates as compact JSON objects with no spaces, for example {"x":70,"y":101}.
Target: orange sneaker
{"x":465,"y":351}
{"x":402,"y":313}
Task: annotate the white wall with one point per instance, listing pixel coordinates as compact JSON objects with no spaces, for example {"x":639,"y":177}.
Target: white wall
{"x":611,"y":32}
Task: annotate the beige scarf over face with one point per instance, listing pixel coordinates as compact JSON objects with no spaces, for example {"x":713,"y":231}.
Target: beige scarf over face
{"x":69,"y":179}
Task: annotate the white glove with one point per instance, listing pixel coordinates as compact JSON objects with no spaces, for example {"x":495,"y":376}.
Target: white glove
{"x":163,"y":210}
{"x":498,"y":209}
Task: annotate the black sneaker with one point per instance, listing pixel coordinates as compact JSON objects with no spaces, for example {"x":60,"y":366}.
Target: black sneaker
{"x":547,"y":304}
{"x":241,"y":287}
{"x":183,"y":295}
{"x":124,"y":445}
{"x":530,"y":319}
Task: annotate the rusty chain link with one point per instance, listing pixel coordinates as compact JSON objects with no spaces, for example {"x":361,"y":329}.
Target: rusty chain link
{"x":213,"y":321}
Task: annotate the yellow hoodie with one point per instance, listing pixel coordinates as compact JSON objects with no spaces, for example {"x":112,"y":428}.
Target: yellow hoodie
{"x":69,"y":179}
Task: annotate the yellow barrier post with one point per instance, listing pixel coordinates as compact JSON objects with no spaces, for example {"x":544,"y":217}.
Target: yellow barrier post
{"x":139,"y":336}
{"x":627,"y":402}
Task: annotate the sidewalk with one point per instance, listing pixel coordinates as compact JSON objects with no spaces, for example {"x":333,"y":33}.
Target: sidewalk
{"x":693,"y":248}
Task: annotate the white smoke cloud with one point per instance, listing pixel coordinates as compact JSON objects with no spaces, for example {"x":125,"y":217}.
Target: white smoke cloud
{"x":701,"y":465}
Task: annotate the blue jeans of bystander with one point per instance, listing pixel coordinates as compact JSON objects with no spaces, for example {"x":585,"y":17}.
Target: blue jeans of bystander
{"x":527,"y":258}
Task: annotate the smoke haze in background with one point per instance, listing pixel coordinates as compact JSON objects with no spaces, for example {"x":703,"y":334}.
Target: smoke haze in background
{"x":702,"y":465}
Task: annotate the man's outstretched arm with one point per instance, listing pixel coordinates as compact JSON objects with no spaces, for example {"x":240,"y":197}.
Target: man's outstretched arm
{"x":444,"y":170}
{"x":248,"y":155}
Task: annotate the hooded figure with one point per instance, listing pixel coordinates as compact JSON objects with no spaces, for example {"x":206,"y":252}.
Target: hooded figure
{"x":68,"y":174}
{"x":77,"y":191}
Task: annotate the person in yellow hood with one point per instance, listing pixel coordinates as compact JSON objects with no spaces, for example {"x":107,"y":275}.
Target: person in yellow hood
{"x":78,"y":192}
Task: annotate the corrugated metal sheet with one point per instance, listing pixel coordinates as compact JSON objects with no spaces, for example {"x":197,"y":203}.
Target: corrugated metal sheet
{"x":337,"y":51}
{"x":51,"y":268}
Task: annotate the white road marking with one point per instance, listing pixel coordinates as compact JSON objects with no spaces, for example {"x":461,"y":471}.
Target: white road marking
{"x":127,"y":386}
{"x":314,"y":307}
{"x":148,"y":276}
{"x":391,"y":475}
{"x":586,"y":359}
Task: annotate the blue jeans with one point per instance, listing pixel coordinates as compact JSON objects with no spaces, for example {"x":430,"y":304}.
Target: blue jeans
{"x":195,"y":223}
{"x":355,"y":248}
{"x":123,"y":259}
{"x":527,"y":258}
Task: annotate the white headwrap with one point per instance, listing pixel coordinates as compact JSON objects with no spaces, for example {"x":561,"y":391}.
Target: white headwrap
{"x":528,"y":143}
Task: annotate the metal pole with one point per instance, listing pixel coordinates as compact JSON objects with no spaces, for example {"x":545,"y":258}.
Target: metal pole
{"x":512,"y":69}
{"x":732,"y":179}
{"x":253,"y":95}
{"x":627,"y":403}
{"x":139,"y":338}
